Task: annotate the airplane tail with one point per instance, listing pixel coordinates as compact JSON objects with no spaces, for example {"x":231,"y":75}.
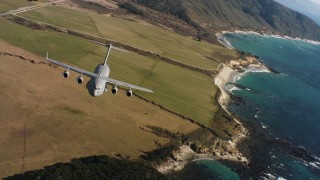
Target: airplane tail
{"x":107,"y":55}
{"x":109,"y":48}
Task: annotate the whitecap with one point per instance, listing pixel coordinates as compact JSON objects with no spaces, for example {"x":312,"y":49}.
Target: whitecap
{"x":281,"y":178}
{"x":257,"y":69}
{"x":270,"y":35}
{"x":296,"y":39}
{"x":223,"y":40}
{"x":237,"y":78}
{"x":234,"y":89}
{"x":269,"y":175}
{"x":314,"y":165}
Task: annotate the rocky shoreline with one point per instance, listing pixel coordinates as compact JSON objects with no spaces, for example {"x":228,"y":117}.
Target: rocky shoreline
{"x":229,"y":151}
{"x":237,"y":152}
{"x":258,"y":138}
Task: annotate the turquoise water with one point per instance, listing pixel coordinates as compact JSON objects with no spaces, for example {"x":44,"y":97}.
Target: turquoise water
{"x":287,"y":104}
{"x":208,"y":169}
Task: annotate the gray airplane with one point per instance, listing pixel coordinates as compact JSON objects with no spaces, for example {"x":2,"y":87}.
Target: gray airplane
{"x":100,"y":77}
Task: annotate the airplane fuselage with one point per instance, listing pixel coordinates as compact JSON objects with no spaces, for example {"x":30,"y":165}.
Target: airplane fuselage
{"x":99,"y":85}
{"x":99,"y":79}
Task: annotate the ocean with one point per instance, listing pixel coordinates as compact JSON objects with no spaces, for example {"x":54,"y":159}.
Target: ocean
{"x":285,"y":105}
{"x":208,"y":169}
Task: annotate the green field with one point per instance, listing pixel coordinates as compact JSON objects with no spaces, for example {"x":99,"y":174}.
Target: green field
{"x":183,"y":91}
{"x":147,"y":37}
{"x":6,"y":5}
{"x":64,"y":122}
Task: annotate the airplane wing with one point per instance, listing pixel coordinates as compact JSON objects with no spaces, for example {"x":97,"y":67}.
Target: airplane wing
{"x":120,"y":83}
{"x":81,"y":71}
{"x":94,"y":75}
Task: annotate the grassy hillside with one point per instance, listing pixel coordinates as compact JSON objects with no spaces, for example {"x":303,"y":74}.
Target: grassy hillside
{"x":254,"y":14}
{"x":176,"y":87}
{"x":148,"y":37}
{"x":6,"y":5}
{"x":168,"y":6}
{"x":217,"y":15}
{"x":48,"y":119}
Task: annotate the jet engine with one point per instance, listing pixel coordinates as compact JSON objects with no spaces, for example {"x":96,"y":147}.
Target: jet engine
{"x":129,"y":93}
{"x":80,"y":80}
{"x":66,"y":74}
{"x":114,"y":90}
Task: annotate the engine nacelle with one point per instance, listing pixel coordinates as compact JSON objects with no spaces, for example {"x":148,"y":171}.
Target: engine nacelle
{"x":66,"y":74}
{"x":129,"y":93}
{"x":114,"y":90}
{"x":80,"y":80}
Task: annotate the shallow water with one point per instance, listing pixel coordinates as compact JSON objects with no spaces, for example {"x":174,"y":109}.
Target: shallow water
{"x":208,"y":169}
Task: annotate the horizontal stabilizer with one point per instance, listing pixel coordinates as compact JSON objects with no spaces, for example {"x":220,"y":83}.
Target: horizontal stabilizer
{"x":110,"y":45}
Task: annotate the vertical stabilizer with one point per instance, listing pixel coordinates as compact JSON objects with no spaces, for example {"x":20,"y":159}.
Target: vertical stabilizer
{"x":106,"y":58}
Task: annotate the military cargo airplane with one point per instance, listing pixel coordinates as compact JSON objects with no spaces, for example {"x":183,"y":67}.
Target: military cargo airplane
{"x":100,"y":77}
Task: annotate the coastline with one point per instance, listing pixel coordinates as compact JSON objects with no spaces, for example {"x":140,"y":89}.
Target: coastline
{"x":227,"y":44}
{"x":229,"y":73}
{"x":226,"y":79}
{"x":185,"y":155}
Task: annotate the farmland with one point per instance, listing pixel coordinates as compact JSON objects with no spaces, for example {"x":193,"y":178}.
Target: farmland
{"x":175,"y":86}
{"x":147,"y":37}
{"x":47,"y":119}
{"x":59,"y":120}
{"x":6,"y":5}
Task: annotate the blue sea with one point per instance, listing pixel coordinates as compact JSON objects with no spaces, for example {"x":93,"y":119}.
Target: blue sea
{"x":285,"y":104}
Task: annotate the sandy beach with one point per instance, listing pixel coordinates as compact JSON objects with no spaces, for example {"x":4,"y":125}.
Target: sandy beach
{"x":186,"y":155}
{"x":225,"y":75}
{"x":229,"y":73}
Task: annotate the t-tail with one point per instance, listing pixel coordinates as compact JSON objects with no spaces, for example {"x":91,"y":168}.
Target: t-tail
{"x":109,"y":49}
{"x":107,"y":56}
